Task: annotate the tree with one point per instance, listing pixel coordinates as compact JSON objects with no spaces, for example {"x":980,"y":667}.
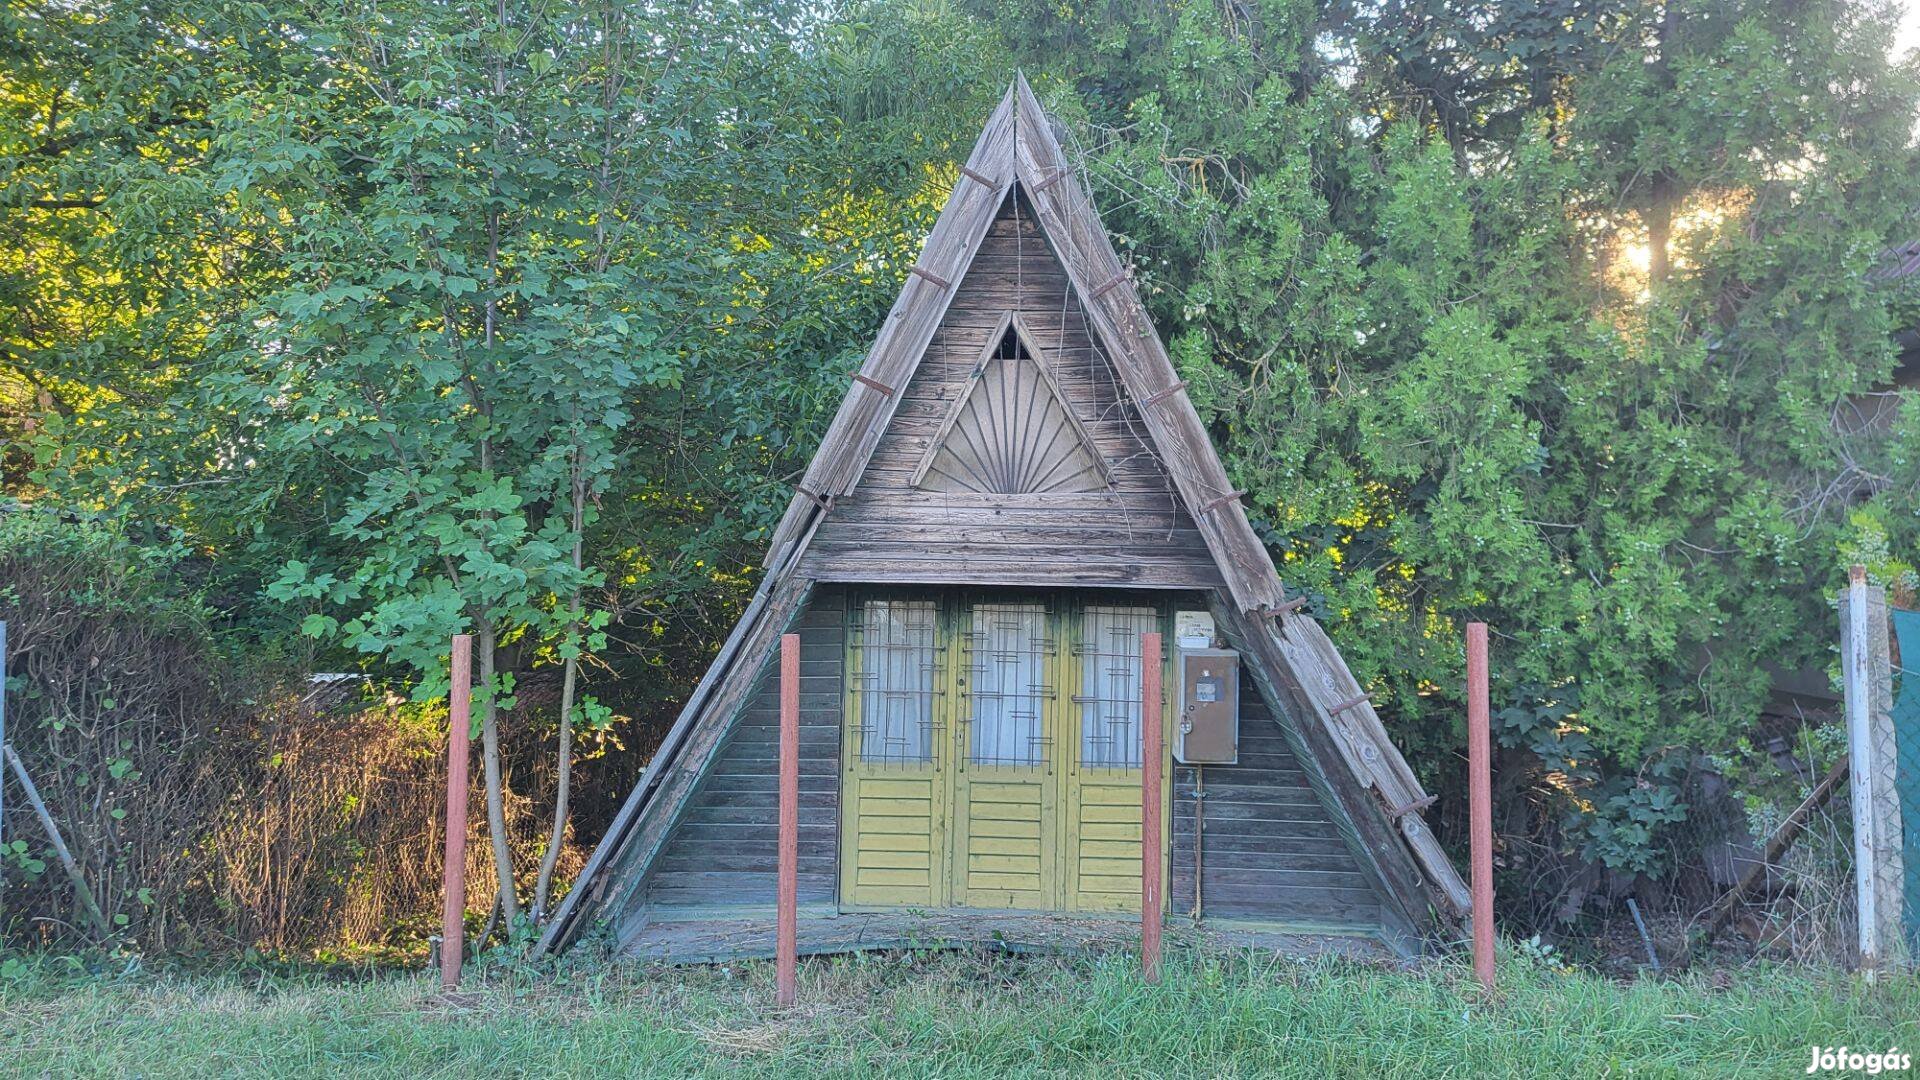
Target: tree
{"x":539,"y":303}
{"x":1534,"y":315}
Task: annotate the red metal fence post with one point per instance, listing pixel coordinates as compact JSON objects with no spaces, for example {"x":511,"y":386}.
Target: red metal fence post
{"x":1151,"y":749}
{"x":1480,"y":787}
{"x":787,"y":917}
{"x":453,"y":911}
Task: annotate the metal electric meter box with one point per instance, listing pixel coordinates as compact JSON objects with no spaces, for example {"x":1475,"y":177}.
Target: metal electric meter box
{"x":1208,"y":683}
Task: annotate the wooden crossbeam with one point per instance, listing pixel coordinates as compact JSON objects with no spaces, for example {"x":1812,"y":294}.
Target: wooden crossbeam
{"x":1336,"y":710}
{"x":874,"y":383}
{"x":931,"y":276}
{"x":1055,"y":177}
{"x":1288,"y":606}
{"x":978,"y":178}
{"x":1159,"y":396}
{"x":1109,"y":285}
{"x":819,"y":499}
{"x":1216,"y":504}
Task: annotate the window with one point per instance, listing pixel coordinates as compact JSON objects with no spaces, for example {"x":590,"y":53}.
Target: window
{"x":1008,"y":652}
{"x":896,"y":664}
{"x":1109,"y":696}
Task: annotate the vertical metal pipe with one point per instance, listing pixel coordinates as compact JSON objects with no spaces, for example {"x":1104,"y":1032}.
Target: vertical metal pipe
{"x":786,"y":931}
{"x":1151,"y":719}
{"x":1199,"y":841}
{"x":1480,"y":786}
{"x":453,"y":911}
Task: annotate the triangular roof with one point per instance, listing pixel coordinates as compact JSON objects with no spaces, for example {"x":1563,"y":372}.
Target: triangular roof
{"x":1297,"y":667}
{"x":1018,"y":146}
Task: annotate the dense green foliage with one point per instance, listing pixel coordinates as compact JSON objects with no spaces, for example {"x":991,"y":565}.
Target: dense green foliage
{"x":916,"y":1015}
{"x":1558,"y":316}
{"x":1543,"y":316}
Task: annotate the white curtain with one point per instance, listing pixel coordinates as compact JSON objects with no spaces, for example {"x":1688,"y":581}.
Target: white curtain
{"x":1009,"y":684}
{"x":1110,"y":685}
{"x":897,"y":659}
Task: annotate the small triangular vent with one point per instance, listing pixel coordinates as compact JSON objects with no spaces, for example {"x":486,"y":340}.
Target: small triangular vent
{"x":1011,"y":433}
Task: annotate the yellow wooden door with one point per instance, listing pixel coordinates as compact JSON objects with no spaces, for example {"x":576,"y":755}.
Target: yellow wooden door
{"x":1005,"y":845}
{"x":895,"y":795}
{"x":992,"y":754}
{"x":1101,"y":841}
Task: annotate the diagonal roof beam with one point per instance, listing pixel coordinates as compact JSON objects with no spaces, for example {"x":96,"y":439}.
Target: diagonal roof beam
{"x":984,"y":183}
{"x":1072,"y":225}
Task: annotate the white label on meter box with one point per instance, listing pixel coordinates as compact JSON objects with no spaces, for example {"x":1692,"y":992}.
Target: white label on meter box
{"x":1193,"y":629}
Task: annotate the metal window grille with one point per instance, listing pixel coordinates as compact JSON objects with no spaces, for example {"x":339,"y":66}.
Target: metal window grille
{"x":1109,"y":697}
{"x":1007,"y":653}
{"x":898,"y":666}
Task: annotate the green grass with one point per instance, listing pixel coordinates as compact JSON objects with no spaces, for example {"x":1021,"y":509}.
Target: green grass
{"x":949,"y":1015}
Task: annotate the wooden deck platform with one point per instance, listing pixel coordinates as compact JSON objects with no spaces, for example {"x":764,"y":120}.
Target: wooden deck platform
{"x":731,"y":936}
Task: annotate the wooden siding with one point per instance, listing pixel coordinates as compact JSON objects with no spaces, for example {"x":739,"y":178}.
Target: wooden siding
{"x":724,"y":848}
{"x":1136,"y":534}
{"x":1270,"y":848}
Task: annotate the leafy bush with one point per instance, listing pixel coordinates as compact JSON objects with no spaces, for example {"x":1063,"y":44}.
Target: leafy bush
{"x":116,"y":707}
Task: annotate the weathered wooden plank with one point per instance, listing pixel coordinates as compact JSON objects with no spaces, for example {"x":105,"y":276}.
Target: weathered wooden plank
{"x":1275,"y":858}
{"x":1073,"y":226}
{"x":1061,"y":553}
{"x":996,"y":533}
{"x":916,"y":313}
{"x":1343,"y":907}
{"x":997,"y":572}
{"x":1404,"y":889}
{"x":725,"y":846}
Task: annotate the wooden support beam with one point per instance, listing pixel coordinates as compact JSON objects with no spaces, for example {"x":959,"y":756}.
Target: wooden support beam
{"x":977,"y":177}
{"x":819,"y":500}
{"x":1214,"y":504}
{"x":1337,"y":709}
{"x":1480,"y":787}
{"x":1159,"y":396}
{"x":453,"y":906}
{"x":1109,"y":285}
{"x":1151,"y":717}
{"x":875,"y":384}
{"x":1777,"y":845}
{"x":1052,"y":178}
{"x":1286,"y":607}
{"x":786,"y":932}
{"x":929,"y":275}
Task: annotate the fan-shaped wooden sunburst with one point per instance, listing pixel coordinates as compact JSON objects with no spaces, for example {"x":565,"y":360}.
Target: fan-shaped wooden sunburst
{"x":1011,"y":431}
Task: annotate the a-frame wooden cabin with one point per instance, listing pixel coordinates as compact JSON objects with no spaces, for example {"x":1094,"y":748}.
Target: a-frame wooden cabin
{"x":1014,"y":488}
